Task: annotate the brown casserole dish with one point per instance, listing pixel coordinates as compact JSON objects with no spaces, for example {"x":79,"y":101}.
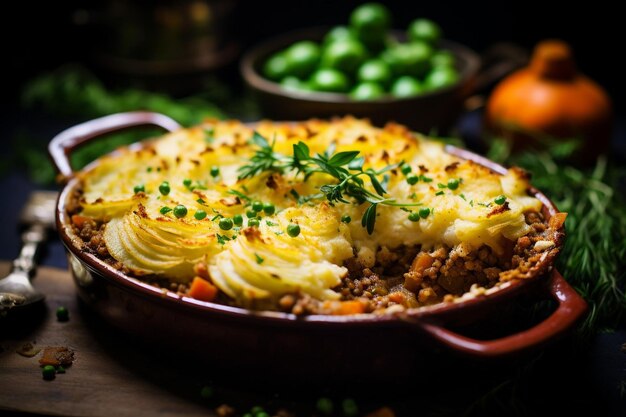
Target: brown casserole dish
{"x":313,"y":329}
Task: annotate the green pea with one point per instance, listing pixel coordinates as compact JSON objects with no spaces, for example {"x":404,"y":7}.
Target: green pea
{"x":500,"y":200}
{"x":346,"y":219}
{"x":453,"y":183}
{"x":424,"y":212}
{"x":276,"y":67}
{"x":346,"y":56}
{"x":441,"y":77}
{"x":200,"y":214}
{"x":139,"y":188}
{"x":238,"y":219}
{"x":187,"y":182}
{"x":63,"y":314}
{"x":164,"y":188}
{"x":424,"y":30}
{"x":413,"y":216}
{"x":257,"y":206}
{"x":350,"y":409}
{"x":409,"y":58}
{"x":269,"y":208}
{"x":253,"y":222}
{"x":251,"y":213}
{"x":329,"y":80}
{"x":406,"y":86}
{"x":412,"y":179}
{"x":302,"y":58}
{"x":325,"y":406}
{"x":180,"y":211}
{"x":226,"y":223}
{"x":376,"y":71}
{"x":48,"y":372}
{"x":371,"y":22}
{"x":215,"y":171}
{"x":293,"y":83}
{"x":338,"y":33}
{"x":293,"y":229}
{"x":443,"y":59}
{"x":406,"y":169}
{"x":367,"y":91}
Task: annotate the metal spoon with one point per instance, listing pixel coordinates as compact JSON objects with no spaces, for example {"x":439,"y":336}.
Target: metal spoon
{"x":16,"y":290}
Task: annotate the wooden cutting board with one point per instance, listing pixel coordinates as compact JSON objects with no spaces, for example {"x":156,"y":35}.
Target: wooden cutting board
{"x":112,"y":374}
{"x":116,"y":375}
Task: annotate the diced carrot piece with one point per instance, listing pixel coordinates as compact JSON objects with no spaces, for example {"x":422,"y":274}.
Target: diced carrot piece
{"x":397,"y":297}
{"x":422,"y":261}
{"x":79,"y":221}
{"x":344,"y":308}
{"x":202,"y":290}
{"x":557,"y":220}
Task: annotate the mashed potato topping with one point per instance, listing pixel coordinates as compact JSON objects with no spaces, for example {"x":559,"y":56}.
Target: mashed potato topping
{"x":138,"y":194}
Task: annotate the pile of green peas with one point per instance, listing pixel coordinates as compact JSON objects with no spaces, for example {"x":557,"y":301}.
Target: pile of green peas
{"x":364,"y":61}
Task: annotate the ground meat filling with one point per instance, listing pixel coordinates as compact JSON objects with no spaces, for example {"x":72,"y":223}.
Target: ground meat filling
{"x":412,"y":277}
{"x":405,"y":277}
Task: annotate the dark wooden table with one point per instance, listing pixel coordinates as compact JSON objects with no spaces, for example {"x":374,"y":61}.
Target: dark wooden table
{"x":117,"y":375}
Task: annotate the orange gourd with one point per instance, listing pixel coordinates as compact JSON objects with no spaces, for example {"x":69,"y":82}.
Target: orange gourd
{"x":551,"y":98}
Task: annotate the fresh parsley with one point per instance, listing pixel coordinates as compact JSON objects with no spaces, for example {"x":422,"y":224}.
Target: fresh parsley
{"x":346,"y":168}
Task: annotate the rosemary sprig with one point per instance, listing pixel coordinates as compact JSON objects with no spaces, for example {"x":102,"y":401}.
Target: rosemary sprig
{"x":345,"y":167}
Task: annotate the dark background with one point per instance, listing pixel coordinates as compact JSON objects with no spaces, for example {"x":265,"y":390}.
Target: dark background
{"x":38,"y":37}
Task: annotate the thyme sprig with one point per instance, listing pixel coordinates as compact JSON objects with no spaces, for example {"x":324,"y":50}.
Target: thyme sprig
{"x":345,"y":167}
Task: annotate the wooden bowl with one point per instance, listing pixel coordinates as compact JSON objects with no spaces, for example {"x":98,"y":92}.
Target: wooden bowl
{"x":437,"y":109}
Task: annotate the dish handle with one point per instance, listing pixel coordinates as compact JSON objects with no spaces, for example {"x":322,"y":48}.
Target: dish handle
{"x":61,"y":146}
{"x":571,"y":306}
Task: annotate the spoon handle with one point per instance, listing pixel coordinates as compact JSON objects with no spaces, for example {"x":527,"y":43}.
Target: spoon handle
{"x":31,"y":238}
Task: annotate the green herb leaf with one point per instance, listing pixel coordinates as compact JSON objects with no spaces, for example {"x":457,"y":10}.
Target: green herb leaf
{"x":343,"y":158}
{"x":357,"y":164}
{"x":369,"y":218}
{"x":258,"y":140}
{"x":301,"y":151}
{"x":239,"y":194}
{"x":259,"y":260}
{"x":221,"y":239}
